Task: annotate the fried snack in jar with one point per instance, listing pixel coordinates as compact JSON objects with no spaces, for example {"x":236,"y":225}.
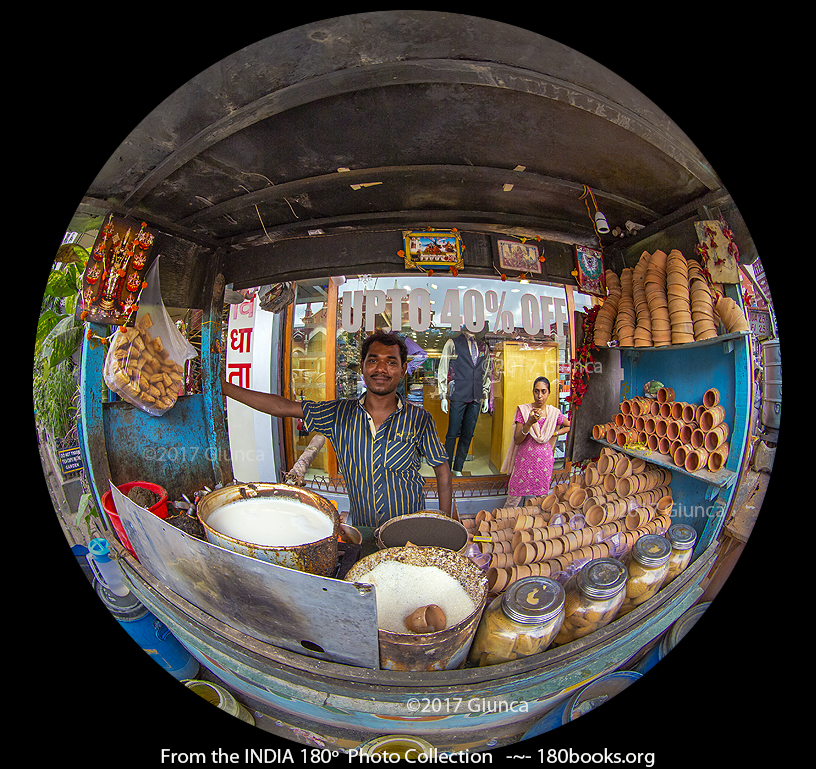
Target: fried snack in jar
{"x":647,"y":564}
{"x":520,"y":622}
{"x":593,"y":597}
{"x":682,"y":538}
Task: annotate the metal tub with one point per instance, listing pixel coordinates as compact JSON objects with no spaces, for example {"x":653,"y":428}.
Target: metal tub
{"x":315,"y":557}
{"x":446,"y":649}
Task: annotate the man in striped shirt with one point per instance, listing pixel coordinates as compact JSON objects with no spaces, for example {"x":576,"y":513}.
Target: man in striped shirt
{"x":378,"y":438}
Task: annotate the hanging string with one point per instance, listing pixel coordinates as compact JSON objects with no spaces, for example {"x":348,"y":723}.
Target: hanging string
{"x":586,"y":196}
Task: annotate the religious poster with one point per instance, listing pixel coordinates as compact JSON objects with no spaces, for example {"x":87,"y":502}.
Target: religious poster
{"x":718,"y":251}
{"x":115,"y":272}
{"x":590,"y":271}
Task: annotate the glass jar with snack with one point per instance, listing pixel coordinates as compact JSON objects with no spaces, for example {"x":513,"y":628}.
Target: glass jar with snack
{"x":593,"y":597}
{"x":522,"y":621}
{"x":682,"y":538}
{"x":647,"y":564}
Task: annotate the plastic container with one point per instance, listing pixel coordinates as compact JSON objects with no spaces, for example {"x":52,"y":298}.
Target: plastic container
{"x":682,"y":538}
{"x":160,"y":508}
{"x":520,"y":622}
{"x":593,"y":597}
{"x":150,"y":633}
{"x":647,"y":564}
{"x":104,"y":568}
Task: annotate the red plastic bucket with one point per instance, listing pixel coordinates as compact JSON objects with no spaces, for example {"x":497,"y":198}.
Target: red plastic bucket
{"x":159,"y":509}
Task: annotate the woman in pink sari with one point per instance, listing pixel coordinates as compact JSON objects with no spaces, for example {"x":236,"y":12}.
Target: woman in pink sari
{"x":530,"y":460}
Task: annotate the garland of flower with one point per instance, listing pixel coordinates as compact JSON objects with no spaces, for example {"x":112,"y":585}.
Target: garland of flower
{"x":581,"y":363}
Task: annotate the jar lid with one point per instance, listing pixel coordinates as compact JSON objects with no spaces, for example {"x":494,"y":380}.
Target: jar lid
{"x":682,"y":536}
{"x":651,"y":550}
{"x":533,"y":600}
{"x":602,"y":578}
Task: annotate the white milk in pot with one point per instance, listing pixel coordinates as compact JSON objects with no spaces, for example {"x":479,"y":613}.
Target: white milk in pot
{"x":271,"y":522}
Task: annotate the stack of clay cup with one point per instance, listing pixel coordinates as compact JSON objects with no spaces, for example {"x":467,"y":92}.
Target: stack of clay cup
{"x":702,"y":304}
{"x":693,"y":436}
{"x":643,"y":322}
{"x":731,"y":315}
{"x":664,"y":300}
{"x":600,"y":512}
{"x":657,"y":299}
{"x":677,"y":290}
{"x":626,"y":319}
{"x":605,"y":319}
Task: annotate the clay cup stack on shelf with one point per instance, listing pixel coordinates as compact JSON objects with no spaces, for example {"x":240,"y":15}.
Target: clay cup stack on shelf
{"x":605,"y":319}
{"x":677,"y":291}
{"x":626,"y":319}
{"x":694,"y":436}
{"x":664,"y":300}
{"x":643,"y":327}
{"x":601,"y":512}
{"x":657,"y":298}
{"x":702,"y":304}
{"x":731,"y":315}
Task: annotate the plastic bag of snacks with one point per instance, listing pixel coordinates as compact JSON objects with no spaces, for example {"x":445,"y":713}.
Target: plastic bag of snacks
{"x":145,"y":363}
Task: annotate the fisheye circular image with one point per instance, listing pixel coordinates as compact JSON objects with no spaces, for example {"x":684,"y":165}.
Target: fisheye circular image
{"x":407,"y":385}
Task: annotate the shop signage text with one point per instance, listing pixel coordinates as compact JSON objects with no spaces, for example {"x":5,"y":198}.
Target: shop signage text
{"x":468,"y":309}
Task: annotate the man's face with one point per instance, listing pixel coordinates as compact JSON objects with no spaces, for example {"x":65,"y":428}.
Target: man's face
{"x":383,"y":368}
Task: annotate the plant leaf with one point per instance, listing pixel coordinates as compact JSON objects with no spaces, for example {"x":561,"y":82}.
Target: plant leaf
{"x":59,"y":285}
{"x":61,"y":342}
{"x":69,"y":253}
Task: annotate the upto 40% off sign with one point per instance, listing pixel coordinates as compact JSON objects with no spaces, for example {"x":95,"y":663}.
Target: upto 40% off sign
{"x":469,"y":309}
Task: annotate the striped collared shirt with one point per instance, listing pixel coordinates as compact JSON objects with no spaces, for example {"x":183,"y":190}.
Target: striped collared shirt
{"x":380,"y":465}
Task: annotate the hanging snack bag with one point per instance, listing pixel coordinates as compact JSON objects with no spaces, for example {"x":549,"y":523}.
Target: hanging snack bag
{"x":145,"y":363}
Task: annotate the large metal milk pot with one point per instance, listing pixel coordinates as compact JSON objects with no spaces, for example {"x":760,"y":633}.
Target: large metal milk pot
{"x":318,"y":557}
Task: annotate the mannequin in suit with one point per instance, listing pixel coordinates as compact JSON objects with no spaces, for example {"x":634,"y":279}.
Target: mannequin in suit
{"x":464,"y":380}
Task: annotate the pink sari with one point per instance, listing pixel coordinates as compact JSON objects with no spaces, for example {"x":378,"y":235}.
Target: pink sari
{"x":530,"y":464}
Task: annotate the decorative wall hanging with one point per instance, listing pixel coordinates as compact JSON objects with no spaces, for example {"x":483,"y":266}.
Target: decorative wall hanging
{"x":518,"y":257}
{"x":589,"y":271}
{"x":717,"y":250}
{"x":114,"y":273}
{"x":433,"y":250}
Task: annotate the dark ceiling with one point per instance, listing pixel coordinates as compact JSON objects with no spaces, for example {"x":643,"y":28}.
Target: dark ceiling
{"x":434,"y":115}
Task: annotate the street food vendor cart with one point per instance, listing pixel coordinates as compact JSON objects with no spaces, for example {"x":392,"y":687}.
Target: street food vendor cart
{"x":315,"y":678}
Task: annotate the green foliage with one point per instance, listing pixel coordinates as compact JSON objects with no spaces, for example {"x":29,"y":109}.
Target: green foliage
{"x":86,"y":511}
{"x":60,"y":343}
{"x":55,"y":393}
{"x":58,"y":337}
{"x":58,"y":333}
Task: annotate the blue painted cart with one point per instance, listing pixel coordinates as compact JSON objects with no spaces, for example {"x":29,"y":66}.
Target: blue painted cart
{"x":321,"y":702}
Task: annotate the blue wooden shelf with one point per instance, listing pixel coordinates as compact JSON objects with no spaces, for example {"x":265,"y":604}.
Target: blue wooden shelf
{"x":723,"y":338}
{"x":722,"y":478}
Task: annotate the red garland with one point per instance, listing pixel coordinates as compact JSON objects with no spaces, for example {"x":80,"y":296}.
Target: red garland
{"x":581,"y":364}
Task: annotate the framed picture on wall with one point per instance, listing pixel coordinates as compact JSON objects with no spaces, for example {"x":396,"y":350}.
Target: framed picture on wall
{"x":518,"y":256}
{"x":590,"y":268}
{"x":433,"y":249}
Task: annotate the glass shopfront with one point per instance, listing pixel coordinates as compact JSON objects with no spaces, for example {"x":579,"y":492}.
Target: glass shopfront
{"x":515,"y":332}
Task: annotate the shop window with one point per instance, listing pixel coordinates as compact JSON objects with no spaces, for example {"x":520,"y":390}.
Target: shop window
{"x":309,"y":364}
{"x":502,"y":317}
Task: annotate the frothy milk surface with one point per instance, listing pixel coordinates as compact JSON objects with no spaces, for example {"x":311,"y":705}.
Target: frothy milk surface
{"x":271,"y":521}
